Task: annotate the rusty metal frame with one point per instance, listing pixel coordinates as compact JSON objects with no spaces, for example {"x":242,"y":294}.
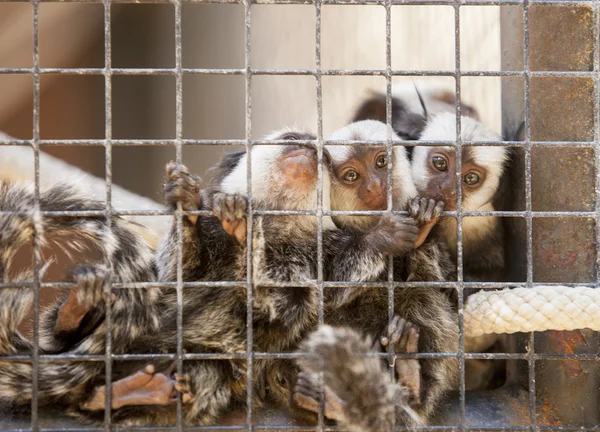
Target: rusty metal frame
{"x":528,"y":214}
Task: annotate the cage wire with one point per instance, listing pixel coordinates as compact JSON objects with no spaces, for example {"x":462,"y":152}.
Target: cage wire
{"x":36,"y":143}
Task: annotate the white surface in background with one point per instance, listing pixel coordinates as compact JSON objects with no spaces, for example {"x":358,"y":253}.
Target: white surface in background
{"x":18,"y":162}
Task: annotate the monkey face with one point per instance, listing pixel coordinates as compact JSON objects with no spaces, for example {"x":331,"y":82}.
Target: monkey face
{"x":284,"y":177}
{"x":298,"y":166}
{"x":441,"y":173}
{"x":434,"y":168}
{"x":360,"y":173}
{"x":364,"y":177}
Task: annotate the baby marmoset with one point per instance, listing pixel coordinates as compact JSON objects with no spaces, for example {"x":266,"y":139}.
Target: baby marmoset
{"x":76,"y":322}
{"x":425,"y":318}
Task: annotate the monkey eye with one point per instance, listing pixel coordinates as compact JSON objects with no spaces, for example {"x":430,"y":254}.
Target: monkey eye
{"x":290,"y":136}
{"x":471,"y":179}
{"x":351,"y":176}
{"x":381,"y":161}
{"x":439,"y":163}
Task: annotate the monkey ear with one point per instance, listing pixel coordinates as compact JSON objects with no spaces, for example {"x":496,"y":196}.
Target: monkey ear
{"x":406,"y":124}
{"x":371,"y":109}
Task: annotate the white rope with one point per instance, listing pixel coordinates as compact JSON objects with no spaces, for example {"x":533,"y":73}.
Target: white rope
{"x":538,"y":308}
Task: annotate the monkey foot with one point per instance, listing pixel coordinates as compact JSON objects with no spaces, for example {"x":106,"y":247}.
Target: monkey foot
{"x":182,"y":187}
{"x":88,"y":294}
{"x":404,"y":337}
{"x":231,"y":210}
{"x":426,"y":213}
{"x":306,"y":396}
{"x":146,"y":387}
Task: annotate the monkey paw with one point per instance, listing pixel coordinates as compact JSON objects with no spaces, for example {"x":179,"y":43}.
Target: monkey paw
{"x":182,"y":187}
{"x":184,"y":387}
{"x":394,"y":234}
{"x":425,"y":210}
{"x":231,"y":210}
{"x":306,"y":396}
{"x":145,"y":387}
{"x":88,"y":294}
{"x":426,"y":213}
{"x":404,"y":338}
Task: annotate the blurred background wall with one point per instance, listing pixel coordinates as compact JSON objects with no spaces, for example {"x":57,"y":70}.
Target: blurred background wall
{"x":283,"y":36}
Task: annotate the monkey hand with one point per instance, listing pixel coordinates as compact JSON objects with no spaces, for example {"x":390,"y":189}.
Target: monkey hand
{"x":426,"y":213}
{"x":394,"y":234}
{"x":182,"y":187}
{"x":231,"y":210}
{"x":403,"y":336}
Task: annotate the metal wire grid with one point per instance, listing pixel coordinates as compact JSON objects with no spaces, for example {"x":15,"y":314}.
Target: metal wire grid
{"x":320,"y":284}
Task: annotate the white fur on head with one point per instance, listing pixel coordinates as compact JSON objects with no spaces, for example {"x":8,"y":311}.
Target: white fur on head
{"x":442,"y":127}
{"x":372,"y":130}
{"x":266,"y":176}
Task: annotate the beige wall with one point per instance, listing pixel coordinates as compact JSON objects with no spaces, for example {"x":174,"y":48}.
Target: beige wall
{"x":283,"y":36}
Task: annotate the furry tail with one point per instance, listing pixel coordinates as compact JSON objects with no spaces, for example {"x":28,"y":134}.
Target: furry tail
{"x":129,"y":255}
{"x":371,"y":398}
{"x":14,"y":305}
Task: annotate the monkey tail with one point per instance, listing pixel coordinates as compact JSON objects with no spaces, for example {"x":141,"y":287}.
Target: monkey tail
{"x":14,"y":305}
{"x":372,"y":401}
{"x":130,"y":256}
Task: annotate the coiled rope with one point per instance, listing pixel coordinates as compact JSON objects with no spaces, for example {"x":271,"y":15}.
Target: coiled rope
{"x":539,"y":308}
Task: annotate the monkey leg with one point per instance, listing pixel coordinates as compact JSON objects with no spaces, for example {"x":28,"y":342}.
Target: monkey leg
{"x":231,"y":210}
{"x":206,"y":389}
{"x":182,"y":187}
{"x":404,"y":338}
{"x":82,"y":298}
{"x":426,"y":213}
{"x":145,"y":387}
{"x":306,"y":396}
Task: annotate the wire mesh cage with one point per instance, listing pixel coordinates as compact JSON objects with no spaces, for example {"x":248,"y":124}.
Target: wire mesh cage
{"x":550,"y":94}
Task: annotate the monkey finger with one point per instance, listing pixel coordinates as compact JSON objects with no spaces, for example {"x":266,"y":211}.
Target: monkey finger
{"x":241,"y":207}
{"x":217,"y":211}
{"x":170,"y":167}
{"x":412,"y":343}
{"x":306,"y":402}
{"x":239,"y":231}
{"x":439,"y":208}
{"x":413,"y":207}
{"x":384,"y":341}
{"x":423,"y":205}
{"x":396,"y":329}
{"x":430,"y":209}
{"x":393,"y":325}
{"x":402,"y":344}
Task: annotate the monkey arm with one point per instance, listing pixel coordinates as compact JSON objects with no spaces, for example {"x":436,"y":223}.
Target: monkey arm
{"x":364,"y":257}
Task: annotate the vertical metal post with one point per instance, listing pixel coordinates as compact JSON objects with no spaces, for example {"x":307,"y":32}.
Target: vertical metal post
{"x":553,"y":177}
